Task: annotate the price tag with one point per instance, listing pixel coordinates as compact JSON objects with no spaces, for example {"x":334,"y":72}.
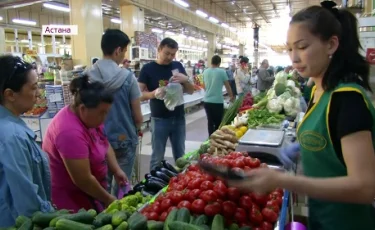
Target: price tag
{"x":55,"y":97}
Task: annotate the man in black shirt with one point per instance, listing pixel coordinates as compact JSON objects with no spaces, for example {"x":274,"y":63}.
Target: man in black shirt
{"x":165,"y":123}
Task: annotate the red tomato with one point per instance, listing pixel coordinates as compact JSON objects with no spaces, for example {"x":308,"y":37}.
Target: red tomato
{"x":185,"y":194}
{"x":266,"y":226}
{"x":257,"y":228}
{"x":184,"y":204}
{"x":254,"y":163}
{"x":220,"y":201}
{"x":155,"y":208}
{"x":246,"y":203}
{"x":272,"y":204}
{"x":146,"y":214}
{"x":220,"y":189}
{"x":198,"y":206}
{"x":163,"y":216}
{"x":229,"y":209}
{"x":277,"y":198}
{"x":233,"y":194}
{"x":212,"y":209}
{"x":178,"y":187}
{"x":247,"y":168}
{"x":153,"y":216}
{"x":173,"y":180}
{"x":255,"y":217}
{"x":245,"y":154}
{"x":195,"y":183}
{"x":166,"y":204}
{"x":269,"y":215}
{"x":208,"y":177}
{"x":171,"y":208}
{"x":194,"y":167}
{"x":259,"y":199}
{"x":176,"y":197}
{"x":208,"y":196}
{"x":239,"y":163}
{"x":194,"y":194}
{"x":206,"y":185}
{"x":280,"y":190}
{"x":240,"y":215}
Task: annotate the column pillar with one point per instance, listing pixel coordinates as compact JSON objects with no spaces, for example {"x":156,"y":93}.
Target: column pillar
{"x":211,"y":38}
{"x":87,"y":15}
{"x":242,"y":50}
{"x":132,"y":20}
{"x":256,"y":45}
{"x":2,"y":40}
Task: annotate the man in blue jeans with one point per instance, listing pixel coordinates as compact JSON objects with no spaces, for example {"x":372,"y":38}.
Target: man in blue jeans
{"x":125,"y":116}
{"x":165,"y":123}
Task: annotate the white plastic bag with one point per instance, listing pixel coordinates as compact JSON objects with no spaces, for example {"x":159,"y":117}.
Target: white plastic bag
{"x":174,"y":95}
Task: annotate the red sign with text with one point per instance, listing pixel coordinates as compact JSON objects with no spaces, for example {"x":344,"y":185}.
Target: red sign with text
{"x":370,"y":55}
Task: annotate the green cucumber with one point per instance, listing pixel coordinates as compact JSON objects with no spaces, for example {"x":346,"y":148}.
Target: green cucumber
{"x":27,"y":225}
{"x":234,"y":227}
{"x":155,"y":225}
{"x":123,"y":226}
{"x":105,"y":227}
{"x":102,"y":219}
{"x":81,"y":217}
{"x":204,"y":227}
{"x":43,"y":219}
{"x":192,"y":218}
{"x":170,"y":218}
{"x":201,"y":220}
{"x":179,"y":225}
{"x":218,"y":222}
{"x":49,"y":228}
{"x":118,"y":218}
{"x":20,"y":220}
{"x":65,"y":224}
{"x":92,"y":212}
{"x":137,"y":221}
{"x":183,"y":214}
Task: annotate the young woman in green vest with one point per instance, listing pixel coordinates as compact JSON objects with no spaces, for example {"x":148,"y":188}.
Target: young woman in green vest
{"x":336,"y":136}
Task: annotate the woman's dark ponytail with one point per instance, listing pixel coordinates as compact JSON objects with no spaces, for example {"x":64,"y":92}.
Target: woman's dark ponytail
{"x":90,"y":94}
{"x":347,"y":64}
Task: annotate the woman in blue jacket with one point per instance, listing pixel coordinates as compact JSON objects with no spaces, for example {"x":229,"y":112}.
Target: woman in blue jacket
{"x":24,"y":171}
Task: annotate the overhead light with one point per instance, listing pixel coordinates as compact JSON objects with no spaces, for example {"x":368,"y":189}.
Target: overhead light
{"x":56,"y":7}
{"x":1,"y":18}
{"x":169,"y":33}
{"x":224,"y":25}
{"x":232,"y":29}
{"x":206,"y":41}
{"x":156,"y":30}
{"x":191,"y":38}
{"x":116,"y":20}
{"x":212,"y":19}
{"x":200,"y":40}
{"x":181,"y":3}
{"x":24,"y":22}
{"x":201,"y":13}
{"x":183,"y":35}
{"x":24,"y":41}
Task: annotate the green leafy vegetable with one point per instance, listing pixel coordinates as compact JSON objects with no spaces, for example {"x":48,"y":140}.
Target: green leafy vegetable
{"x":259,"y":117}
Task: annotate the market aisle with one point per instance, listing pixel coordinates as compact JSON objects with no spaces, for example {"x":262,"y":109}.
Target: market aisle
{"x":196,"y":133}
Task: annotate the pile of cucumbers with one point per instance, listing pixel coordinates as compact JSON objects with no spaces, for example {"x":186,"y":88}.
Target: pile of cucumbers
{"x":156,"y":180}
{"x":85,"y":220}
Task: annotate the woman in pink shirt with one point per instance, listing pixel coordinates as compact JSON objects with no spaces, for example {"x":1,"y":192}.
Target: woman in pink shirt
{"x":79,"y":151}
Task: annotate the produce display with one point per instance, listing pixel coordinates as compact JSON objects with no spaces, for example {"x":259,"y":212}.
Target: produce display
{"x":40,"y":106}
{"x":202,"y":201}
{"x":247,"y":103}
{"x":283,"y":97}
{"x":223,"y":141}
{"x":232,"y":111}
{"x":259,"y":117}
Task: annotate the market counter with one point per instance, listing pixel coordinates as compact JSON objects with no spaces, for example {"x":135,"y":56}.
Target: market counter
{"x":39,"y":124}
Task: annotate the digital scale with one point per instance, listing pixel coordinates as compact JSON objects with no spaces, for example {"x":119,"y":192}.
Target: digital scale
{"x":265,"y":144}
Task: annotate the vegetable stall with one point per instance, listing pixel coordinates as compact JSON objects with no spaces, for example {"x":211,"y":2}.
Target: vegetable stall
{"x":185,"y":196}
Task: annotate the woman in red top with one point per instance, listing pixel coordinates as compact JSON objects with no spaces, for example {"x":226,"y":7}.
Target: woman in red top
{"x":79,"y":151}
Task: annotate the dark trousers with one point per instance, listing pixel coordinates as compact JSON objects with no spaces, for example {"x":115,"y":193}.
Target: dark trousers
{"x":214,"y":112}
{"x":232,"y":84}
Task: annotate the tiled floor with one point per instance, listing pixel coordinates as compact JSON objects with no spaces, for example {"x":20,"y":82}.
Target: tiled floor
{"x":196,"y":133}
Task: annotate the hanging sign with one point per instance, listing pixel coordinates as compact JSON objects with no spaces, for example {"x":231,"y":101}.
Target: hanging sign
{"x":59,"y":29}
{"x":370,"y":55}
{"x":31,"y":53}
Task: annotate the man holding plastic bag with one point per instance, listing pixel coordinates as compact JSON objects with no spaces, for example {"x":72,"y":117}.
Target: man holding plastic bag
{"x":164,"y":82}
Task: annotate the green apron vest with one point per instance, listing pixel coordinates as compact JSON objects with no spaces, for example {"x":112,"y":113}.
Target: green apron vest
{"x":319,"y":160}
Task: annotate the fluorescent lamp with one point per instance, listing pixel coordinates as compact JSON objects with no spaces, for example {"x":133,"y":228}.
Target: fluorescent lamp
{"x":156,"y":30}
{"x":232,"y":29}
{"x":56,"y":7}
{"x":224,"y":25}
{"x":116,"y":20}
{"x":24,"y":41}
{"x":24,"y":22}
{"x":201,"y":13}
{"x":200,"y":40}
{"x":181,"y":3}
{"x":169,"y":33}
{"x":191,"y":38}
{"x":212,"y":19}
{"x":183,"y":35}
{"x":1,"y":18}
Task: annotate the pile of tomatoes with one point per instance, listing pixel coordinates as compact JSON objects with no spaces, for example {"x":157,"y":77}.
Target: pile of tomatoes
{"x":202,"y":193}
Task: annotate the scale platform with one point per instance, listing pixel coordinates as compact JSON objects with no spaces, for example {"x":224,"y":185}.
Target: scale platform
{"x":265,"y":144}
